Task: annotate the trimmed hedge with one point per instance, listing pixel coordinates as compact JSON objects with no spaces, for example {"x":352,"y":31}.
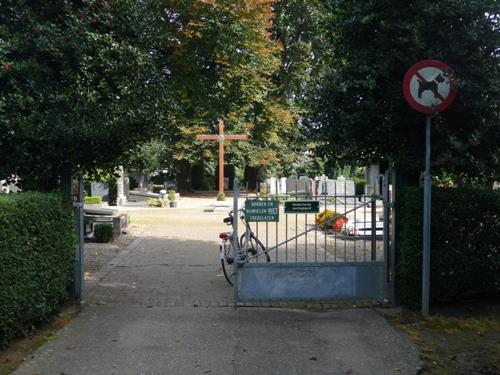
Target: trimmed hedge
{"x":37,"y":247}
{"x":92,"y":200}
{"x":465,"y":245}
{"x":103,"y":232}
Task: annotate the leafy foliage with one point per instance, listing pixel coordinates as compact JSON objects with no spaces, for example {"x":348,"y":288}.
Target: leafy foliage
{"x":37,"y":248}
{"x":359,"y":111}
{"x":92,"y":200}
{"x":465,"y":250}
{"x":103,"y":232}
{"x":80,"y":83}
{"x":224,"y":64}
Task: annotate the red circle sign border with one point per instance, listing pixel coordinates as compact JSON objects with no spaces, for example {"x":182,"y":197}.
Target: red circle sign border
{"x":406,"y":87}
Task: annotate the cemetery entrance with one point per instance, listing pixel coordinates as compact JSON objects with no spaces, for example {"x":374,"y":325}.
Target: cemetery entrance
{"x":324,"y":242}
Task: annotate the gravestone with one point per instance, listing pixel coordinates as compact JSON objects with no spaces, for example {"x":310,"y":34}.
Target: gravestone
{"x":283,"y":185}
{"x":100,"y":189}
{"x":298,"y":187}
{"x":122,"y":186}
{"x":343,"y":190}
{"x":272,"y":184}
{"x":372,"y":180}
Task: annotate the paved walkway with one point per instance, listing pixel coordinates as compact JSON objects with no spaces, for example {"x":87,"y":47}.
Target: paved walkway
{"x":162,"y":306}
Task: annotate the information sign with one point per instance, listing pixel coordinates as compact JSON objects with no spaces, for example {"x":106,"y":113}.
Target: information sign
{"x":301,"y":207}
{"x":261,"y":210}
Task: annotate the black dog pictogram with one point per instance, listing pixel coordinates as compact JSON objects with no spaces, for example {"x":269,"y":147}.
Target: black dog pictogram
{"x":431,"y":85}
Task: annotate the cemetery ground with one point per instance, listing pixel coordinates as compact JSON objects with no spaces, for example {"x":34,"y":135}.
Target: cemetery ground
{"x":157,"y":303}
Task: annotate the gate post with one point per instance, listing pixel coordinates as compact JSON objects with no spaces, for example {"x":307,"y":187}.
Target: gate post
{"x":387,"y":208}
{"x":80,"y":251}
{"x":236,"y":258}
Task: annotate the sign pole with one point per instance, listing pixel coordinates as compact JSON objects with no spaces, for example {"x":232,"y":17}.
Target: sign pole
{"x":427,"y":221}
{"x":429,"y":88}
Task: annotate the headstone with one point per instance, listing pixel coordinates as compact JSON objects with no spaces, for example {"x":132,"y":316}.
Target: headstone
{"x":272,"y":183}
{"x":122,"y":186}
{"x":283,"y":185}
{"x":343,"y":189}
{"x":298,"y":187}
{"x":372,"y":180}
{"x":100,"y":189}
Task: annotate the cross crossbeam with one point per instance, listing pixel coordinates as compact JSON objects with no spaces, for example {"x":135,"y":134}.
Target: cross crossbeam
{"x":221,"y":137}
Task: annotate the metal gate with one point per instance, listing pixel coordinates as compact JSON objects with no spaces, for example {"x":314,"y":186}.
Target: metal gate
{"x":322,"y":244}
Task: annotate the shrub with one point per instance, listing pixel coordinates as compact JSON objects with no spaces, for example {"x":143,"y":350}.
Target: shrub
{"x":157,"y":188}
{"x":103,"y":232}
{"x":171,"y":195}
{"x":221,"y":197}
{"x":37,"y":247}
{"x":359,"y":185}
{"x":154,"y":202}
{"x":92,"y":200}
{"x":465,"y":245}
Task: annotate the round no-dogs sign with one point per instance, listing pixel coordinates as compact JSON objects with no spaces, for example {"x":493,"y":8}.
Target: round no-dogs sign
{"x":429,"y":86}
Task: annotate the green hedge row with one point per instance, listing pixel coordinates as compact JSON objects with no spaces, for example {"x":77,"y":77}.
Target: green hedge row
{"x":37,"y":247}
{"x":465,"y":245}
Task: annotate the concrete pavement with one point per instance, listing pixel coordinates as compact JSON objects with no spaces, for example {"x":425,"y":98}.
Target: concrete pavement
{"x":163,"y":307}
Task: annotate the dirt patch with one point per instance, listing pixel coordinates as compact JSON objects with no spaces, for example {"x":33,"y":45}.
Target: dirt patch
{"x":458,"y":341}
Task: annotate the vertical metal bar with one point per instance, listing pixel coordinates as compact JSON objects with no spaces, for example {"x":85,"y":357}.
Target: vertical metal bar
{"x":385,"y":197}
{"x":286,"y":224}
{"x":80,"y":258}
{"x":345,"y":210}
{"x":296,"y":229}
{"x":276,"y":223}
{"x":305,"y":223}
{"x":236,"y":259}
{"x":364,"y":227}
{"x":427,"y":221}
{"x":335,"y":233}
{"x":374,"y":228}
{"x":355,"y":209}
{"x":324,"y":229}
{"x":257,"y":223}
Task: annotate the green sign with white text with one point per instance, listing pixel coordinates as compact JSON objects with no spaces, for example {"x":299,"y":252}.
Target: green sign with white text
{"x":257,"y":210}
{"x":301,"y":207}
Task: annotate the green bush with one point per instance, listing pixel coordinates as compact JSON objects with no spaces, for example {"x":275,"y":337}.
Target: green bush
{"x":465,"y":245}
{"x":171,"y":195}
{"x":155,"y":202}
{"x":37,"y":247}
{"x":92,"y":200}
{"x":157,"y":188}
{"x":221,"y":197}
{"x":360,"y":185}
{"x":103,"y":232}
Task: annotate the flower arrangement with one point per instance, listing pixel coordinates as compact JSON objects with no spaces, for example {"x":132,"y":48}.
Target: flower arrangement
{"x":329,"y":219}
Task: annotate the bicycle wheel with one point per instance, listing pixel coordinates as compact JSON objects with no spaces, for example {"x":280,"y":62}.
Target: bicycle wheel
{"x":250,"y":245}
{"x":227,"y":263}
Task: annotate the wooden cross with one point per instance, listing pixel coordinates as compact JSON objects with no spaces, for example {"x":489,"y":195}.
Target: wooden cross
{"x":221,"y":137}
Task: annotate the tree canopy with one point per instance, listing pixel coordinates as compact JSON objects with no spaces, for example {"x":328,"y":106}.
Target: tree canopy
{"x":224,"y":64}
{"x":359,"y":110}
{"x":79,"y":85}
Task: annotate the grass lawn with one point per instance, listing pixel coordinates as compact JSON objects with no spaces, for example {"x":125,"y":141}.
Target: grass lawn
{"x":465,"y":340}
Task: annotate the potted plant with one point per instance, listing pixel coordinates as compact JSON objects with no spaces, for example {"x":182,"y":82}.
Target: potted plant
{"x":172,"y":198}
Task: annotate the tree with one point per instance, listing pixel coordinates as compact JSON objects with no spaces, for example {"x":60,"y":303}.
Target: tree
{"x":359,"y":110}
{"x":147,"y":158}
{"x":224,"y":64}
{"x":80,"y":84}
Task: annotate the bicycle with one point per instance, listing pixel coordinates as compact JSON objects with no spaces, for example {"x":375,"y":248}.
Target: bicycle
{"x":248,"y":244}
